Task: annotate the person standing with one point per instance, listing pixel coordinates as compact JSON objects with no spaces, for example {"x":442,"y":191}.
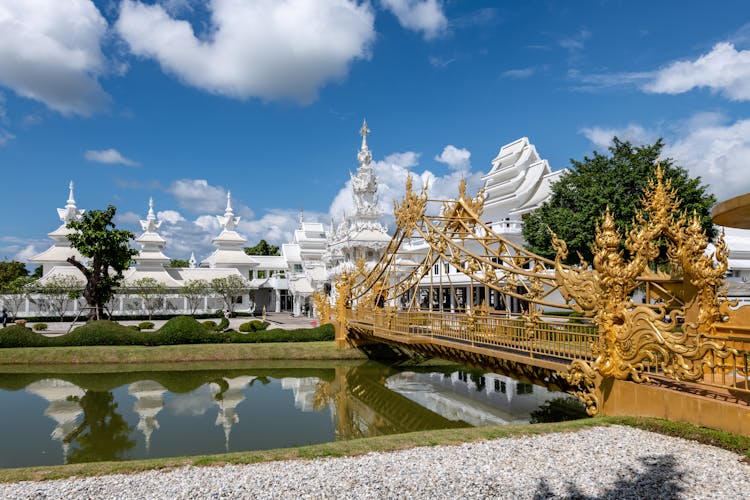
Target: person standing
{"x":4,"y":317}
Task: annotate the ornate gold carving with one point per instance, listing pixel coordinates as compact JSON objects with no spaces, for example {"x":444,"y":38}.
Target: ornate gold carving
{"x":322,"y":307}
{"x":640,"y":338}
{"x":411,"y":209}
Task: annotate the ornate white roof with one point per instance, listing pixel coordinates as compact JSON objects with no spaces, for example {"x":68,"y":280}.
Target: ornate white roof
{"x":152,"y":244}
{"x":229,"y":242}
{"x":58,"y":253}
{"x":518,"y":182}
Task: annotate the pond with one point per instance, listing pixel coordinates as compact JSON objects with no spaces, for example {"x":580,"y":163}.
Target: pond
{"x":58,"y":417}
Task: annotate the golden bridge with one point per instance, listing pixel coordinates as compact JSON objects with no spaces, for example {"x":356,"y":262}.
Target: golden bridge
{"x":643,"y":330}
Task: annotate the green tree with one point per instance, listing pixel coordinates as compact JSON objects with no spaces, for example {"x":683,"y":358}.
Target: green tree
{"x":229,"y":288}
{"x":194,"y":292}
{"x":58,"y":291}
{"x":151,"y":293}
{"x":10,"y":270}
{"x":179,"y":263}
{"x":107,"y":250}
{"x":262,"y":248}
{"x":15,"y":293}
{"x":618,"y":180}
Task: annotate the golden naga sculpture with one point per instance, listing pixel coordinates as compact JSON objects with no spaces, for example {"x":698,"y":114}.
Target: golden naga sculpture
{"x":667,"y":332}
{"x":322,"y":307}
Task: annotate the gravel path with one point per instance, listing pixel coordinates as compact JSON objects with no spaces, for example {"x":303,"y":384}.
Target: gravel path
{"x":602,"y":462}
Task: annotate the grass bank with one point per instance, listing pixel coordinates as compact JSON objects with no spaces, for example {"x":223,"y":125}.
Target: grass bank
{"x":725,"y":440}
{"x":325,"y":350}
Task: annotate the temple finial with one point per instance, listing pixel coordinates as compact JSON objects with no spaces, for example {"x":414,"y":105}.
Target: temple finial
{"x":364,"y":132}
{"x":151,"y":208}
{"x":229,"y":203}
{"x":71,"y":199}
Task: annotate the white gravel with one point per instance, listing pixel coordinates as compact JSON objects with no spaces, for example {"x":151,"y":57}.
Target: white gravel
{"x":602,"y":462}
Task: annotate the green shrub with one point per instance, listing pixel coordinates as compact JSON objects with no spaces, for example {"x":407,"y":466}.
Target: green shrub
{"x":135,"y":327}
{"x":40,"y":327}
{"x":20,"y":336}
{"x":102,"y":332}
{"x":223,"y":324}
{"x":210,"y":324}
{"x":254,"y":326}
{"x":146,"y":325}
{"x":185,"y":330}
{"x":325,"y":332}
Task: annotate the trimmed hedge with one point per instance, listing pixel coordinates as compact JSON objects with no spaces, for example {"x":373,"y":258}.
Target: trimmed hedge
{"x":178,"y":330}
{"x":255,"y":325}
{"x":146,"y":325}
{"x":325,"y":332}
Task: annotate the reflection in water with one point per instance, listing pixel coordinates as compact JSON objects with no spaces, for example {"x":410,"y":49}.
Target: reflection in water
{"x":103,"y":434}
{"x":63,"y":407}
{"x":114,"y":416}
{"x":150,"y":401}
{"x":228,"y":393}
{"x":488,"y":399}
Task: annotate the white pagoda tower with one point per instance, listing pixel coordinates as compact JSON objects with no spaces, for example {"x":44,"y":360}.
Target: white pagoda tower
{"x":58,"y":253}
{"x":151,"y":256}
{"x":361,"y":235}
{"x":229,"y":243}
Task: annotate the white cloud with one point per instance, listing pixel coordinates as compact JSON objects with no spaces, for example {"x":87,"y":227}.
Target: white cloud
{"x":393,"y":171}
{"x":576,"y":42}
{"x":707,"y":145}
{"x":725,"y":70}
{"x":272,"y":49}
{"x":170,"y":216}
{"x":198,"y":196}
{"x":717,"y":151}
{"x":455,"y":158}
{"x":109,"y":156}
{"x":519,"y":73}
{"x":129,"y":218}
{"x":601,"y":137}
{"x":425,"y":16}
{"x":5,"y":137}
{"x":50,"y":52}
{"x":27,"y":252}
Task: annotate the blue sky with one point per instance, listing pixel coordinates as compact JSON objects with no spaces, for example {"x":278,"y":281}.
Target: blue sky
{"x":184,"y":100}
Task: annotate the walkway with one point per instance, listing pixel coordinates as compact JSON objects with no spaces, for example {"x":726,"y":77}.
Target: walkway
{"x":277,"y":320}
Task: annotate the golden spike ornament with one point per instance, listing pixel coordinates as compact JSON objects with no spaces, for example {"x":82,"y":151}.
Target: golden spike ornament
{"x":410,"y":211}
{"x":322,"y":307}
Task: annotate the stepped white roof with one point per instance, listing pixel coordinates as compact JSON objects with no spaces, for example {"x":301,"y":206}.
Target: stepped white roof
{"x":518,"y":182}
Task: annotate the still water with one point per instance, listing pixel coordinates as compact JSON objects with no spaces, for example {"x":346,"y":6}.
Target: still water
{"x":56,"y":418}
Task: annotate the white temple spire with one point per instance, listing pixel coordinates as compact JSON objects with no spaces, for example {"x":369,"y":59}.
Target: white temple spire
{"x":364,"y":132}
{"x":229,"y":210}
{"x":71,"y":199}
{"x":150,"y":225}
{"x":228,"y":221}
{"x":70,"y":212}
{"x":192,"y":263}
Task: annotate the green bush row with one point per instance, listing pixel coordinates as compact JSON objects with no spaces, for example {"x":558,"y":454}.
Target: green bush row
{"x":253,"y":326}
{"x":178,"y":330}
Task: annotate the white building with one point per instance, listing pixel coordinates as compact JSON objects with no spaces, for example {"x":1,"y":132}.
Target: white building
{"x":360,"y":236}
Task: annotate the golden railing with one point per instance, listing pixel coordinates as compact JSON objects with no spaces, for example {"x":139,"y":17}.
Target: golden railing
{"x":555,"y":338}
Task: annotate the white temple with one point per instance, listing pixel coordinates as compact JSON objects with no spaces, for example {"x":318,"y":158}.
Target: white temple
{"x":361,"y":235}
{"x":149,"y":402}
{"x":64,"y":408}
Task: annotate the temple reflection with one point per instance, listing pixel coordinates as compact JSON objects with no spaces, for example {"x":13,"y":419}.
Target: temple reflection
{"x":98,"y":416}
